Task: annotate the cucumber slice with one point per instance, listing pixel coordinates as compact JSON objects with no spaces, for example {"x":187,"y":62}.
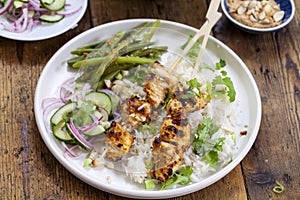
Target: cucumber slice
{"x":97,"y":130}
{"x":18,"y":4}
{"x":115,"y":101}
{"x":98,"y":114}
{"x":60,"y":134}
{"x":100,"y":99}
{"x":54,"y":6}
{"x":31,"y":13}
{"x":48,"y":2}
{"x":77,"y":139}
{"x":63,"y":111}
{"x":51,"y":18}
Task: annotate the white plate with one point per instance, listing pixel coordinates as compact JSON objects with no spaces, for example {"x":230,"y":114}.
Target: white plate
{"x":46,"y":31}
{"x":172,"y":34}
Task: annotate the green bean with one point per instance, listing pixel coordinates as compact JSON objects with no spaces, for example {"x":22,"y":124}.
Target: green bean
{"x":150,"y":51}
{"x":93,"y":45}
{"x":73,"y":60}
{"x":99,"y":71}
{"x":117,"y":67}
{"x":108,"y":46}
{"x":118,"y":60}
{"x":82,"y":51}
{"x":105,"y":58}
{"x":151,"y":32}
{"x":135,"y":46}
{"x":110,"y":77}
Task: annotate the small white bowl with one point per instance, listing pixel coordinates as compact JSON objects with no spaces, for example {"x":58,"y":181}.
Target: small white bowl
{"x":287,"y":6}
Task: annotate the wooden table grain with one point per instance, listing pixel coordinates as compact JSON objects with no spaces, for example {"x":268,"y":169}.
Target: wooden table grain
{"x":29,"y":171}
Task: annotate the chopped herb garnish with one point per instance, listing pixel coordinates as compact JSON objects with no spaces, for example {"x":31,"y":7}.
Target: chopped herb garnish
{"x":149,"y":184}
{"x":182,"y":177}
{"x":87,"y":162}
{"x":167,"y":99}
{"x":193,"y":83}
{"x":148,"y":127}
{"x":204,"y":145}
{"x":230,"y":91}
{"x":224,"y":73}
{"x":189,"y":94}
{"x":220,"y":64}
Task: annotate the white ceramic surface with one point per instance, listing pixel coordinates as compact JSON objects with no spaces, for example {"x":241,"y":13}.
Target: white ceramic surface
{"x":171,"y":34}
{"x":47,"y":30}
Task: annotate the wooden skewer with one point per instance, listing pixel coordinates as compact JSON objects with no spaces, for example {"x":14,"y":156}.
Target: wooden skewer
{"x":212,"y":16}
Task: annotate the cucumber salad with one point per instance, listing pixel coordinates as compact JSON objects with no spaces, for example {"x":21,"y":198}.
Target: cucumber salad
{"x":23,"y":15}
{"x":125,"y":109}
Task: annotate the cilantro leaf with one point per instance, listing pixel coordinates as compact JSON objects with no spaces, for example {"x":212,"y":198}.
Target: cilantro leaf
{"x":230,"y":91}
{"x":219,"y":144}
{"x":189,"y":94}
{"x":224,"y":73}
{"x":167,"y":99}
{"x":220,"y":64}
{"x":212,"y":157}
{"x":204,"y":145}
{"x":193,"y":83}
{"x":202,"y":141}
{"x":182,"y":177}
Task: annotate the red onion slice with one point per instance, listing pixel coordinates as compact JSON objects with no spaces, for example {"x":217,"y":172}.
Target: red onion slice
{"x":79,"y":136}
{"x":70,"y":152}
{"x":6,"y":6}
{"x":84,"y":129}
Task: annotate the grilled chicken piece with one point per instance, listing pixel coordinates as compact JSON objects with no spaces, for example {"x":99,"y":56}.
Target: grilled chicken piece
{"x":168,"y":148}
{"x":118,"y":142}
{"x":139,"y":111}
{"x":179,"y":104}
{"x":177,"y":131}
{"x":167,"y":158}
{"x":158,"y":83}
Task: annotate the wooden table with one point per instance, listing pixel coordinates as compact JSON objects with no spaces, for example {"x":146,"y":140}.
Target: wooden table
{"x":30,"y":171}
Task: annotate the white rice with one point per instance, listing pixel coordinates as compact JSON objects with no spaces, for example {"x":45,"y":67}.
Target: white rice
{"x":221,"y":111}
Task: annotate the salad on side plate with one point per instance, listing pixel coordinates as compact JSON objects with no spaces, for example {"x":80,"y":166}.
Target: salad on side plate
{"x":24,"y":15}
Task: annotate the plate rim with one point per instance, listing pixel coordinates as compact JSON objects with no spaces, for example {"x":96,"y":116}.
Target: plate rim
{"x":166,"y":193}
{"x":19,"y":37}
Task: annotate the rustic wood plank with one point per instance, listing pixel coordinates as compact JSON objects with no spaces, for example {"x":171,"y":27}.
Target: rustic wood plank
{"x":273,"y":60}
{"x":29,"y":170}
{"x":159,"y":9}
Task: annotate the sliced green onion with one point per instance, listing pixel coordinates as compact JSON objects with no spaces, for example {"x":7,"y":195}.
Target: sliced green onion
{"x":279,"y":188}
{"x":87,"y":162}
{"x":149,"y":184}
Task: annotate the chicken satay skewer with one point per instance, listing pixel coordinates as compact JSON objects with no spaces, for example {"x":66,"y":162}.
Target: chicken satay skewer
{"x":212,"y":17}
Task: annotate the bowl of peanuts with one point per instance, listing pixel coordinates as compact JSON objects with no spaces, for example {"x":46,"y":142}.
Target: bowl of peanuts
{"x":259,"y":16}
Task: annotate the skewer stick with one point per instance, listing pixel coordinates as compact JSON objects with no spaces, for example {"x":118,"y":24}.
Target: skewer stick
{"x":212,"y":16}
{"x":211,"y":21}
